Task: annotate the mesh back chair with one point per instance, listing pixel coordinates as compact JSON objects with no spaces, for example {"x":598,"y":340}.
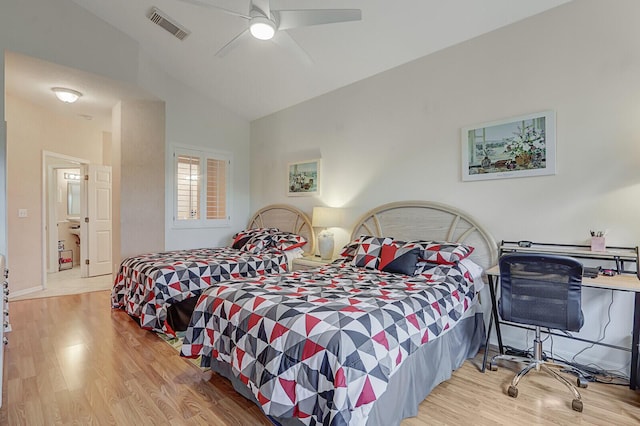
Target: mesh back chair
{"x":542,"y":291}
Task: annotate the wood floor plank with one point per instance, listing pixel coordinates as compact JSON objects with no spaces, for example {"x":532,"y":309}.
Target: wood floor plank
{"x":73,"y":360}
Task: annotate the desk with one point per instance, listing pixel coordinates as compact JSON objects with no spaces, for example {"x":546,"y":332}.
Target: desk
{"x":622,"y":282}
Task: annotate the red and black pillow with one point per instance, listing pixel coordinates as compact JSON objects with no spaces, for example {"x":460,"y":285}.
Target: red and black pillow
{"x":368,"y":251}
{"x":257,"y":243}
{"x":389,"y":255}
{"x":242,"y":237}
{"x":385,"y":254}
{"x":256,"y":240}
{"x":443,"y":253}
{"x":350,"y":249}
{"x":287,"y":241}
{"x":398,"y":259}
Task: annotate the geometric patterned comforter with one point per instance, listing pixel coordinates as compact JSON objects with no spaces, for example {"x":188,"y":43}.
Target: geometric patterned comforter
{"x":322,"y":344}
{"x":147,"y":285}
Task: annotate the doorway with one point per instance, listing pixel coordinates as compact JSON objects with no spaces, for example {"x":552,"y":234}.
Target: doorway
{"x":73,"y":191}
{"x":36,"y":122}
{"x":61,"y":201}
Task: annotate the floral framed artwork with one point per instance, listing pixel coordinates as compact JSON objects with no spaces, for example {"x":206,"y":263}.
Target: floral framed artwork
{"x":304,"y":178}
{"x":516,"y":147}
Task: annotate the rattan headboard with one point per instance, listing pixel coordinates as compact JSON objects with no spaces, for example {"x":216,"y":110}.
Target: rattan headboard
{"x":425,"y":220}
{"x":286,"y":218}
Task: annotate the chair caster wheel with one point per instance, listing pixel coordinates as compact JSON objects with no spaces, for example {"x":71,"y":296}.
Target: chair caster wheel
{"x":582,"y":383}
{"x":576,"y":404}
{"x":493,"y":367}
{"x":513,"y":392}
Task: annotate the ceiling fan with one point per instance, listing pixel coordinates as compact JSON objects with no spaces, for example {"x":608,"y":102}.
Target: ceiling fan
{"x":267,"y":24}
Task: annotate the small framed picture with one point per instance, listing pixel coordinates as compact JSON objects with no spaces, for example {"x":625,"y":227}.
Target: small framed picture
{"x":516,"y":147}
{"x":304,"y":178}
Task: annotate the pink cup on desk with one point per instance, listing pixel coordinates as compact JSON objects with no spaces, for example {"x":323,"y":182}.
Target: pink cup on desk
{"x":597,"y":244}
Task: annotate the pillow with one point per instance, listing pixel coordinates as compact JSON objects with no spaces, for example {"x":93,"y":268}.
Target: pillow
{"x":443,"y":253}
{"x":286,"y":240}
{"x":423,"y":267}
{"x":350,"y":249}
{"x":368,"y":251}
{"x":257,"y":244}
{"x":398,"y":259}
{"x":242,"y":237}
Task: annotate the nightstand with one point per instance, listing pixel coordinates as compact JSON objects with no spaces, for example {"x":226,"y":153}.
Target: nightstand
{"x":309,"y":262}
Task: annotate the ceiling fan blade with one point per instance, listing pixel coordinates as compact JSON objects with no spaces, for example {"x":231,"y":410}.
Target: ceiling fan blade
{"x":304,"y":18}
{"x":233,"y":43}
{"x":262,"y":7}
{"x":212,"y":6}
{"x":284,"y":40}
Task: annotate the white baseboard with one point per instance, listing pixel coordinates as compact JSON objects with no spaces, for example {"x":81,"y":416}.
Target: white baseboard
{"x":19,"y":293}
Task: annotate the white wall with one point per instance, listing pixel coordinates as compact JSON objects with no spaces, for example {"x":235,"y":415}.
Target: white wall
{"x":195,"y":120}
{"x":396,"y":136}
{"x":62,"y":32}
{"x":31,"y":130}
{"x":142,"y":190}
{"x":3,"y":166}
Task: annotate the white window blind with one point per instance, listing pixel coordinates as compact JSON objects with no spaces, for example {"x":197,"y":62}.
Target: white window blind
{"x":201,"y":188}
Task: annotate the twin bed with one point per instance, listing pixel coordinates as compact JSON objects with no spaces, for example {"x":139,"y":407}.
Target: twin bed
{"x":159,"y":290}
{"x":362,"y":340}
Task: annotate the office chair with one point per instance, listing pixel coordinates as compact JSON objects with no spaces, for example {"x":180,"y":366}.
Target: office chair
{"x":543,"y":291}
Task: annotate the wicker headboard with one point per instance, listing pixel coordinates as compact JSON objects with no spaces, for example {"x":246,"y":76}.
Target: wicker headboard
{"x":425,"y":220}
{"x":286,"y":218}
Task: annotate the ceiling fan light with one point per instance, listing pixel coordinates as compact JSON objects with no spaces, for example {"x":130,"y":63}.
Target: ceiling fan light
{"x":66,"y":95}
{"x":262,"y":28}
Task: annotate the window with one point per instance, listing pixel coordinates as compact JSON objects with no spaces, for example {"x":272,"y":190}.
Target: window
{"x":201,"y":187}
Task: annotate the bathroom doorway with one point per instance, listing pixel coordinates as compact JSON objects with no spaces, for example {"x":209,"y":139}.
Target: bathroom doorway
{"x":77,"y":216}
{"x":62,"y":200}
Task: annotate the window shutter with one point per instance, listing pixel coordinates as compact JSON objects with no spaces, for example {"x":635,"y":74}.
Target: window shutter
{"x":216,"y":189}
{"x":188,"y":194}
{"x":202,"y":188}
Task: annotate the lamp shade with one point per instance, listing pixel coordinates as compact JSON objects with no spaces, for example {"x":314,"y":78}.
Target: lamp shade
{"x":326,"y":217}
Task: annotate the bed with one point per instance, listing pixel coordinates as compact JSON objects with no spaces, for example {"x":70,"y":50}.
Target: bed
{"x":159,"y":290}
{"x":347,"y":344}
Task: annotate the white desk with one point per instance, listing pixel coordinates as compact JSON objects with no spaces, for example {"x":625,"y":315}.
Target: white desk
{"x":620,"y":282}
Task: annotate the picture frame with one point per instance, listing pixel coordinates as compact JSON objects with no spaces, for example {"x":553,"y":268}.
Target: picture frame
{"x":521,"y":146}
{"x":303,"y":178}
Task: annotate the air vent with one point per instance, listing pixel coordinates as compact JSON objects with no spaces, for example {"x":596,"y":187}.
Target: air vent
{"x":160,"y":18}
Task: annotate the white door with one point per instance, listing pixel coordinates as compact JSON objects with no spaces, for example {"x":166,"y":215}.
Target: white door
{"x":96,"y":220}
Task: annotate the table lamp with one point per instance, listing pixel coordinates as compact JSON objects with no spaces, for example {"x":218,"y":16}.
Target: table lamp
{"x":326,"y":217}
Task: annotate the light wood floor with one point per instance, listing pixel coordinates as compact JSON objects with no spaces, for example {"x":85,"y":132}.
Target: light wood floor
{"x":67,"y":282}
{"x":72,"y":360}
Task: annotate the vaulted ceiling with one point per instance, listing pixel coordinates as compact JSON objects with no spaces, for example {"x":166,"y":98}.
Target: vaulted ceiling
{"x":257,"y":78}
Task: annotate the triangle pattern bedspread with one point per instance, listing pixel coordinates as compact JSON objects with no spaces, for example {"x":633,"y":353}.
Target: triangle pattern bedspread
{"x":321,"y":345}
{"x":146,"y":285}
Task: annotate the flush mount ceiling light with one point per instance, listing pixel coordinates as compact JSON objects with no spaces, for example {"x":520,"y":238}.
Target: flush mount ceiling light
{"x":262,"y":28}
{"x":66,"y":95}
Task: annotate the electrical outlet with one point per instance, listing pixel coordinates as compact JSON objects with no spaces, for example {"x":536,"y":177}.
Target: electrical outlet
{"x":22,"y":212}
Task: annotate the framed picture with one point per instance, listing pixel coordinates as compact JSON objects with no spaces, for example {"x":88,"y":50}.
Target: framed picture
{"x":304,"y":178}
{"x":515,"y":147}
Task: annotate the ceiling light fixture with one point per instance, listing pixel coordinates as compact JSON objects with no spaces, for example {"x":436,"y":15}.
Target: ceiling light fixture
{"x":262,"y":28}
{"x":66,"y":95}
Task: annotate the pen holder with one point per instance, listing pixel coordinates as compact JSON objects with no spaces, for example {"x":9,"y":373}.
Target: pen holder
{"x":597,"y":244}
